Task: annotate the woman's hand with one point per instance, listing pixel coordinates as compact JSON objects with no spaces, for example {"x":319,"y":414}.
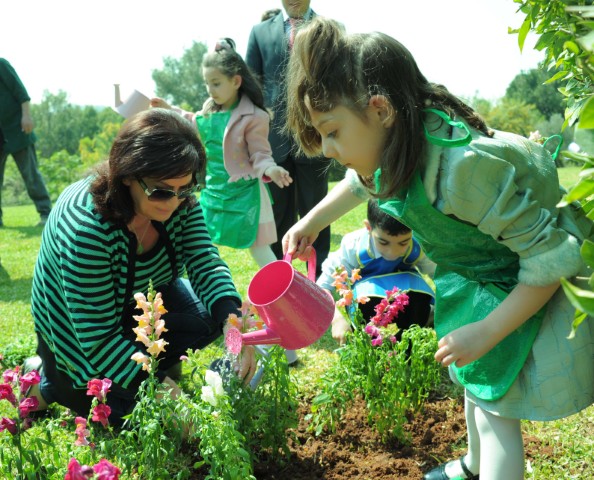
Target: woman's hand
{"x":247,"y":365}
{"x":279,"y":176}
{"x":340,"y":328}
{"x":157,"y":102}
{"x":171,"y":387}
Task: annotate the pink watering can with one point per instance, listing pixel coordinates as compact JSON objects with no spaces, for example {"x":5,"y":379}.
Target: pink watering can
{"x":296,"y":311}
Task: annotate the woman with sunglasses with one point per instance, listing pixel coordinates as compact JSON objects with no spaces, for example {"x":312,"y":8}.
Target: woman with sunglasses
{"x":136,"y":220}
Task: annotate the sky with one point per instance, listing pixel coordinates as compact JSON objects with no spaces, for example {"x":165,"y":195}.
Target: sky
{"x":84,"y":47}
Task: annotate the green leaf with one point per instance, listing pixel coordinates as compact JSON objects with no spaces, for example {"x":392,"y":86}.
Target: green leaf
{"x":572,"y":47}
{"x":583,"y":189}
{"x":582,"y":300}
{"x":587,"y":115}
{"x":577,"y":319}
{"x":587,"y":251}
{"x":523,"y":33}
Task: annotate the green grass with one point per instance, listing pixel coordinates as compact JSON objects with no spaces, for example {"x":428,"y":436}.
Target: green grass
{"x":568,"y":442}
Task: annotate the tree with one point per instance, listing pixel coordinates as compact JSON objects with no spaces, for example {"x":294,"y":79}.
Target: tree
{"x":180,"y":82}
{"x":533,"y":87}
{"x":60,"y":125}
{"x":567,"y":36}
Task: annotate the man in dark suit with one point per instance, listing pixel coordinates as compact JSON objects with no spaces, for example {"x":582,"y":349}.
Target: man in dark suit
{"x":267,"y":54}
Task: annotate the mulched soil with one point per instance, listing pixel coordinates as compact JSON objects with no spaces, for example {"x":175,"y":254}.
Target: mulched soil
{"x":356,"y":452}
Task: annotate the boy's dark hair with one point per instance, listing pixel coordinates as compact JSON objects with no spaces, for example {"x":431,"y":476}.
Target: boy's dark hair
{"x":379,"y":219}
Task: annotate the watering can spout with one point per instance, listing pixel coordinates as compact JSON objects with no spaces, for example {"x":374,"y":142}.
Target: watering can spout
{"x":295,"y":310}
{"x":235,"y":340}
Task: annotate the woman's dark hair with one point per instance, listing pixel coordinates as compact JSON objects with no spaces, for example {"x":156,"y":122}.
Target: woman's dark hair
{"x":156,"y":143}
{"x":230,"y":63}
{"x":332,"y":68}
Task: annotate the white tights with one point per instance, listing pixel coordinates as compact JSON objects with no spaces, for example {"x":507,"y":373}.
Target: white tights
{"x":495,"y":445}
{"x":262,"y":254}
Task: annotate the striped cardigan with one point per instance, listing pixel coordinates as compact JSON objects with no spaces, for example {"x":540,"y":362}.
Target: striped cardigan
{"x":87,"y":272}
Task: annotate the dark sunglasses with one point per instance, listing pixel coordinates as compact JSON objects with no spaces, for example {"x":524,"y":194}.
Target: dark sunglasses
{"x":162,"y":194}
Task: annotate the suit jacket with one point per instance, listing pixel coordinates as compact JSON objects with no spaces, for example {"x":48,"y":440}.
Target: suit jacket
{"x":267,"y":55}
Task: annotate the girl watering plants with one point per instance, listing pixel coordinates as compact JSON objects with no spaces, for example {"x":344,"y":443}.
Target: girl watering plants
{"x":482,"y":204}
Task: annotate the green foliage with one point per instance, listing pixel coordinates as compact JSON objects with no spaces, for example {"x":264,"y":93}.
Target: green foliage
{"x":532,"y":87}
{"x":514,"y":116}
{"x":393,"y":379}
{"x":565,"y":35}
{"x":60,"y":125}
{"x":180,"y":82}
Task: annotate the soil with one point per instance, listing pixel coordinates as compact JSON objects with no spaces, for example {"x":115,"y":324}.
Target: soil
{"x":355,"y":451}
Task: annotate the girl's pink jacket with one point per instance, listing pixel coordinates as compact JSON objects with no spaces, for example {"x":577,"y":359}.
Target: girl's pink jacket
{"x":246,"y":150}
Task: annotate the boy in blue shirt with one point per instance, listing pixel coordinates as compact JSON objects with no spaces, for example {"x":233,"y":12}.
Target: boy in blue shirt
{"x":387,"y":255}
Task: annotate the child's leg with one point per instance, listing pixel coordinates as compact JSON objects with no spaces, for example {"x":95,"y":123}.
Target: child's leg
{"x":473,"y":457}
{"x":471,"y":460}
{"x":263,"y":254}
{"x":501,"y":446}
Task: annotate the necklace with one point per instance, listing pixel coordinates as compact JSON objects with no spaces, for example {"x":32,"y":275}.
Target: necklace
{"x":140,"y":248}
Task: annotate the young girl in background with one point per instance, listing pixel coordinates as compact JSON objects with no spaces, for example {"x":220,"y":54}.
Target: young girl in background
{"x":482,"y":204}
{"x":233,"y":125}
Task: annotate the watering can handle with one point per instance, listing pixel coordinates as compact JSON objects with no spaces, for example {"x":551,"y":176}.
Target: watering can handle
{"x":311,"y":263}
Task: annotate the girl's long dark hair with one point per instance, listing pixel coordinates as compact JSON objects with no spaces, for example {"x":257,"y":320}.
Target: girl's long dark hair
{"x":230,"y":63}
{"x":157,"y":143}
{"x":332,"y":68}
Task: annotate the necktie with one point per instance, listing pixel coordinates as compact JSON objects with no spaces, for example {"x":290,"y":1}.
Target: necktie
{"x":294,"y":25}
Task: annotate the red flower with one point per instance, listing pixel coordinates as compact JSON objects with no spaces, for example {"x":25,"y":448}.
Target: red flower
{"x":98,"y":388}
{"x":76,"y":471}
{"x":106,"y":471}
{"x":8,"y":424}
{"x":29,"y":379}
{"x":6,"y":393}
{"x":101,"y":414}
{"x":27,"y":406}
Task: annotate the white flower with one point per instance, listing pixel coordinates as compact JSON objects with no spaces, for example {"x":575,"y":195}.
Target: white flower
{"x":213,"y":388}
{"x":208,"y":395}
{"x":215,"y":381}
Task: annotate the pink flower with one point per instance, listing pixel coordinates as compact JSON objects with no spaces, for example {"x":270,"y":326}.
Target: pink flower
{"x":29,"y":379}
{"x":99,"y":388}
{"x":377,"y":341}
{"x":183,"y":358}
{"x":78,"y":472}
{"x":11,"y":376}
{"x":27,"y":406}
{"x":372,"y":330}
{"x":6,"y":393}
{"x":8,"y":424}
{"x":101,"y":413}
{"x":81,"y":431}
{"x":106,"y":471}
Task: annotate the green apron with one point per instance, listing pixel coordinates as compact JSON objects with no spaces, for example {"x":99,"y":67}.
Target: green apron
{"x":231,"y":210}
{"x":475,"y":274}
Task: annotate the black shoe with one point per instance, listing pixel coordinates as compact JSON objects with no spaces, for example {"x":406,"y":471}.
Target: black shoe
{"x":438,"y":473}
{"x":42,"y":222}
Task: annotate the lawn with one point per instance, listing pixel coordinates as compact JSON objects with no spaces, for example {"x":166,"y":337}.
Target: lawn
{"x":570,"y":441}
